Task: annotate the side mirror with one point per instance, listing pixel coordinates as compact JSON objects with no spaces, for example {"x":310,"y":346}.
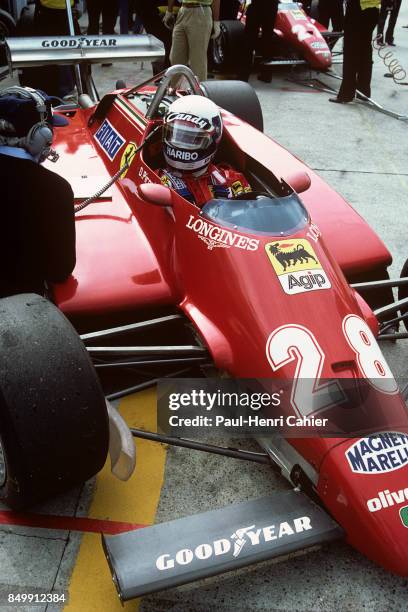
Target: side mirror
{"x":155,"y":194}
{"x":299,"y":181}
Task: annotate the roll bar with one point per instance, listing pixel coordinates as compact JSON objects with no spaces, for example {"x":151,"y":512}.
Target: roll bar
{"x":170,"y":78}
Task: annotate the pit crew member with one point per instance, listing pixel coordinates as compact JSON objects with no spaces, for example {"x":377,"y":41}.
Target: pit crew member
{"x":38,"y":227}
{"x":191,"y":134}
{"x":389,"y":8}
{"x":197,"y":21}
{"x":149,"y":11}
{"x":360,"y":20}
{"x":51,"y":21}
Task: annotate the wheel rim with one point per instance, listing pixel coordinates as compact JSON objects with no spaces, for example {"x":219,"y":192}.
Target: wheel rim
{"x":219,"y":50}
{"x":3,"y":470}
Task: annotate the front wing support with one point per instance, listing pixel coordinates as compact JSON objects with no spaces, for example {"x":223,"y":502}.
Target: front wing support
{"x":233,"y":453}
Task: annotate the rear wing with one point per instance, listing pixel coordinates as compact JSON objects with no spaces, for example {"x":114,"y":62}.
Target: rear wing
{"x":44,"y":50}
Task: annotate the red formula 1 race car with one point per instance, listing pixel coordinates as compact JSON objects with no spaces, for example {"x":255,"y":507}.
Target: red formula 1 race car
{"x":298,"y":40}
{"x":265,"y":287}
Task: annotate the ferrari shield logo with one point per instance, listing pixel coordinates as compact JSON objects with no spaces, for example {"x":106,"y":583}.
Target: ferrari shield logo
{"x":127,"y":157}
{"x":297,"y":266}
{"x":404,"y":516}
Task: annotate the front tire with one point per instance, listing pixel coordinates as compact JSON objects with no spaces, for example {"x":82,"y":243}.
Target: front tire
{"x":54,"y":430}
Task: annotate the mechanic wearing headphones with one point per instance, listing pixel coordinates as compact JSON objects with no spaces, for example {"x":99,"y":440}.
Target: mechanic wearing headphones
{"x":38,"y":226}
{"x":191,"y":134}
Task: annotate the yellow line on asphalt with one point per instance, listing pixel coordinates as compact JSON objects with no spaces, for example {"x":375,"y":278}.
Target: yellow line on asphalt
{"x":91,"y":587}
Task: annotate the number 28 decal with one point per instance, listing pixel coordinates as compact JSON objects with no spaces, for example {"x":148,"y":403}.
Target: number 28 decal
{"x":298,"y":344}
{"x":370,"y":359}
{"x":304,"y":33}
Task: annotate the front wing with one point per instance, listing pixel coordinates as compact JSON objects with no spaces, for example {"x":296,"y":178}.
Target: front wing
{"x":195,"y":547}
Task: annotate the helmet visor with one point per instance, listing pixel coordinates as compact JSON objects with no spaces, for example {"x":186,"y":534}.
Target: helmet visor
{"x":179,"y":134}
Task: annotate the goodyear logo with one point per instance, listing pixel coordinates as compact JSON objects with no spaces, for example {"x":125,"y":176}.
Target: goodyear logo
{"x":404,"y":516}
{"x":109,"y":139}
{"x":127,"y":157}
{"x":297,"y":266}
{"x":244,"y":537}
{"x":78,"y":42}
{"x":382,"y":452}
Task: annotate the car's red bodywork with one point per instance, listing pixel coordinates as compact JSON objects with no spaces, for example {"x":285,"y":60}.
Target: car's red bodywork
{"x":303,"y":33}
{"x":137,"y":236}
{"x":133,"y":255}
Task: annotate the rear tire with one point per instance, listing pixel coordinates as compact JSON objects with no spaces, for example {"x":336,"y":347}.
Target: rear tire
{"x":25,"y":23}
{"x":54,"y":429}
{"x":7,"y":24}
{"x":237,"y":97}
{"x":403,"y":292}
{"x":225,"y":49}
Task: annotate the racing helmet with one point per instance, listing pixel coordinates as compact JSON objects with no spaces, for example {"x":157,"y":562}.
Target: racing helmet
{"x":192,"y":132}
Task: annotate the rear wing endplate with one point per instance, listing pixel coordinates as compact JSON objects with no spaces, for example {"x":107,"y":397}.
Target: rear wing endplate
{"x":195,"y":547}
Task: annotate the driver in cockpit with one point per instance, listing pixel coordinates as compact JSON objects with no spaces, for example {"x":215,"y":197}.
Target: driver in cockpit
{"x":191,"y":135}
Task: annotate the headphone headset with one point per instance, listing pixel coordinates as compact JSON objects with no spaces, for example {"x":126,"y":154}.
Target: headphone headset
{"x":39,"y":138}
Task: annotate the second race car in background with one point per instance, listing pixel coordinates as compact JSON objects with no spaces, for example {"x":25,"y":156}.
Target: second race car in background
{"x":298,"y":40}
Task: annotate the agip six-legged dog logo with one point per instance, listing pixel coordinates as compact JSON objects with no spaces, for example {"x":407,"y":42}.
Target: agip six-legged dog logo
{"x":297,"y":266}
{"x":291,"y":258}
